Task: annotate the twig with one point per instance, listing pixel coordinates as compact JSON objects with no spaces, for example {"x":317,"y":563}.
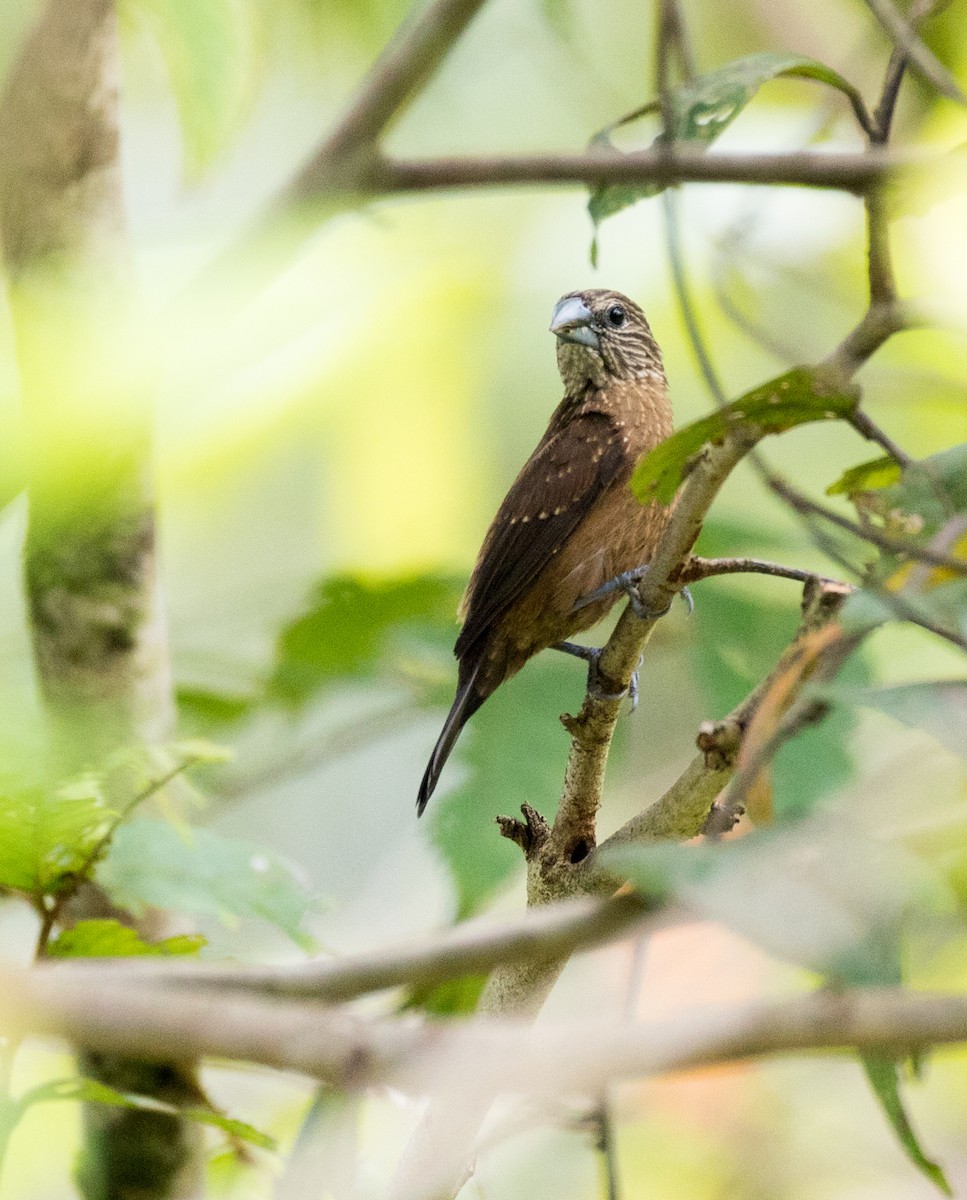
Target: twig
{"x":469,"y":949}
{"x":919,"y":55}
{"x":803,"y":504}
{"x":705,"y":568}
{"x":843,"y":171}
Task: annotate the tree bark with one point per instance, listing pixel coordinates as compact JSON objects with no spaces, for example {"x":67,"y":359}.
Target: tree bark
{"x":96,"y":621}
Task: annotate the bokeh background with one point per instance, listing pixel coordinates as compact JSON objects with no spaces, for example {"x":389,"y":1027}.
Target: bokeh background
{"x":329,"y":454}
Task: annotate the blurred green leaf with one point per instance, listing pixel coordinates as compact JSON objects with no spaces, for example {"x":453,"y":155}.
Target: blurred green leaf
{"x":698,"y":111}
{"x":939,"y":707}
{"x":90,"y":1091}
{"x":866,"y":477}
{"x":789,"y":400}
{"x":47,"y":837}
{"x":826,"y":899}
{"x":353,"y":625}
{"x":513,"y":751}
{"x":210,"y":48}
{"x":209,"y":709}
{"x":454,"y":998}
{"x":884,"y":1077}
{"x":198,"y":871}
{"x":107,"y":938}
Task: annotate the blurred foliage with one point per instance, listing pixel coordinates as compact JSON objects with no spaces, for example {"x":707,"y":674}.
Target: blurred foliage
{"x":108,"y":938}
{"x":328,"y":461}
{"x":196,"y":871}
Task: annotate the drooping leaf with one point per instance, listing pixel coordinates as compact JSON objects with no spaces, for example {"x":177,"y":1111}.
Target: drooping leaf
{"x":884,"y":1077}
{"x":866,"y":477}
{"x":939,"y":707}
{"x":108,"y":938}
{"x":90,"y":1091}
{"x":699,"y":111}
{"x":202,"y":873}
{"x":210,"y":48}
{"x":795,"y":398}
{"x":354,"y":625}
{"x":48,"y":836}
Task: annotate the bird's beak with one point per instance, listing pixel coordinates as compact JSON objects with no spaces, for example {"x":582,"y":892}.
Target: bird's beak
{"x":571,"y":322}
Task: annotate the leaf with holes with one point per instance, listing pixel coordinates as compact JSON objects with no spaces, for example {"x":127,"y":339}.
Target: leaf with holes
{"x":795,"y":398}
{"x":699,"y":111}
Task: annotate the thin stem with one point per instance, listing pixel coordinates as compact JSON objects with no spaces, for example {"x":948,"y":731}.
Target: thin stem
{"x":704,"y":568}
{"x":801,"y":503}
{"x":915,"y":50}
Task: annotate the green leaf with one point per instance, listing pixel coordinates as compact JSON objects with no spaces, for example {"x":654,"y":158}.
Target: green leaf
{"x":867,"y":477}
{"x":210,"y":48}
{"x":107,"y":938}
{"x":699,"y":111}
{"x":454,"y":998}
{"x":48,"y":836}
{"x":884,"y":1077}
{"x":792,"y":399}
{"x":200,"y":872}
{"x":939,"y":707}
{"x":513,"y":750}
{"x":354,"y":624}
{"x":90,"y":1091}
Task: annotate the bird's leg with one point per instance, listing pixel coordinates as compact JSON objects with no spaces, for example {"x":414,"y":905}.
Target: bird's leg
{"x":592,"y":656}
{"x":627,"y":582}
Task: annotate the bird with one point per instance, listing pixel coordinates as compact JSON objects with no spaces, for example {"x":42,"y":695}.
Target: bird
{"x":569,"y":523}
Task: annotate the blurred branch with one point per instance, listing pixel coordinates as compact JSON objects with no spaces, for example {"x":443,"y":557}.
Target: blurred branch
{"x":845,"y":171}
{"x":468,"y":949}
{"x":445,"y":1057}
{"x":914,"y":50}
{"x":396,"y":78}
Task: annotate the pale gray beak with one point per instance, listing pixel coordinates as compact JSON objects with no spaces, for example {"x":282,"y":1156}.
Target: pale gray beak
{"x":571,"y":322}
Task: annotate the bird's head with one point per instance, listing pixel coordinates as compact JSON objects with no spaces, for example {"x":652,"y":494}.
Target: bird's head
{"x":601,"y":336}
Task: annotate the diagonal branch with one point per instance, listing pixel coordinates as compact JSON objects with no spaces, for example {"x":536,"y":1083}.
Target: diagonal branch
{"x":914,"y":49}
{"x":396,"y":78}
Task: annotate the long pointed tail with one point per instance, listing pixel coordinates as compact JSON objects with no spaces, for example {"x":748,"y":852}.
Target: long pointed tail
{"x":465,"y":704}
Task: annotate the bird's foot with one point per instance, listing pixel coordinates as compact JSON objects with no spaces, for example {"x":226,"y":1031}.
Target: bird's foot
{"x":627,"y":582}
{"x":592,"y":656}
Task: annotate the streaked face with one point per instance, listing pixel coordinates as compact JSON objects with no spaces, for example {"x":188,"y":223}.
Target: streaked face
{"x":602,"y":334}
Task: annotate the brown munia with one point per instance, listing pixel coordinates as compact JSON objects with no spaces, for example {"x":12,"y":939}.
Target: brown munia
{"x":570,"y":521}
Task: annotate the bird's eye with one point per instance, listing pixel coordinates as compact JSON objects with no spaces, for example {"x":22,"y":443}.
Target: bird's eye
{"x":616,"y":315}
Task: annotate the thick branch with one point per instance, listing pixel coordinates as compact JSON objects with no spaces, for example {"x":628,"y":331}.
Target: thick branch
{"x":447,"y":1057}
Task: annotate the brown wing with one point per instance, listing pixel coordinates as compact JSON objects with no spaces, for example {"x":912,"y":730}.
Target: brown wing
{"x":554,"y":490}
